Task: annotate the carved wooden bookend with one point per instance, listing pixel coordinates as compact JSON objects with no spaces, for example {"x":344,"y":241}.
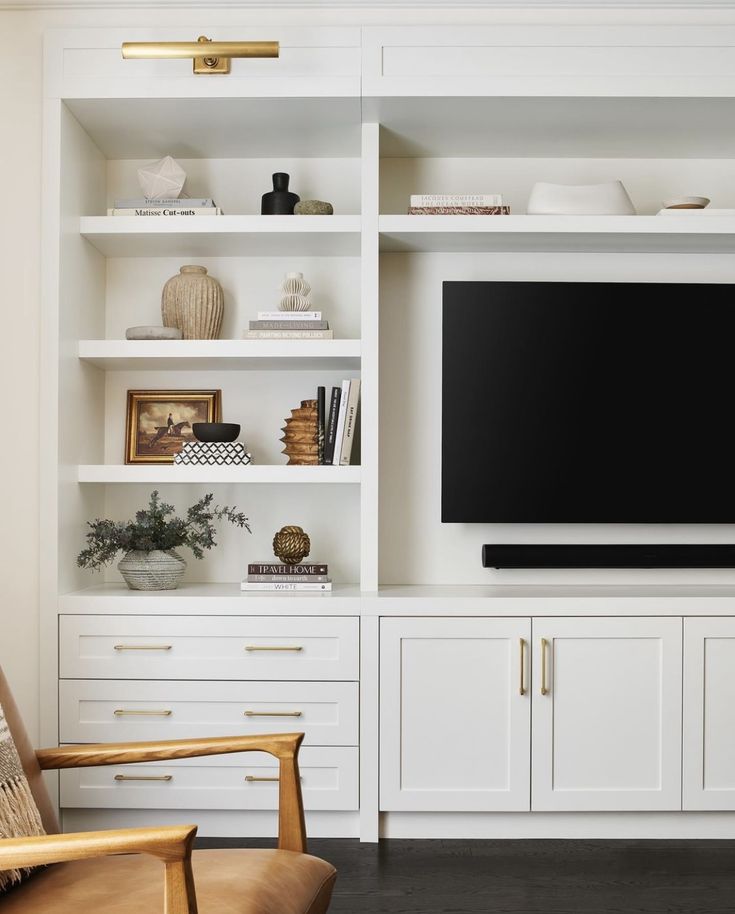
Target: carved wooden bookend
{"x":291,"y":544}
{"x":300,"y":435}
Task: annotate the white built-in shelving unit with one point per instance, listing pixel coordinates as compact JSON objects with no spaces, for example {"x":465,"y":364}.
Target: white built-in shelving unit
{"x":600,"y":234}
{"x":222,"y":355}
{"x":222,"y":236}
{"x":363,"y":118}
{"x":162,"y":474}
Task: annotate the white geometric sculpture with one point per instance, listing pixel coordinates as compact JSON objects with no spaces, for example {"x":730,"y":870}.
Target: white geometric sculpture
{"x":162,"y":180}
{"x":295,"y":293}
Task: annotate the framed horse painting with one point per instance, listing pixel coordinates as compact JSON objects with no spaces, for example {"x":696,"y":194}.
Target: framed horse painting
{"x":159,"y":422}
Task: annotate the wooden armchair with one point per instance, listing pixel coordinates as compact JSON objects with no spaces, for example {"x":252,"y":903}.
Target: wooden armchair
{"x":120,"y":871}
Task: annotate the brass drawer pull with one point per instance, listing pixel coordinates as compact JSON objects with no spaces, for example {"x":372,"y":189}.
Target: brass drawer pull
{"x":272,"y":713}
{"x":522,"y":686}
{"x":123,"y":712}
{"x":257,"y":647}
{"x":141,"y":777}
{"x":544,"y":651}
{"x":253,"y":777}
{"x":143,"y":647}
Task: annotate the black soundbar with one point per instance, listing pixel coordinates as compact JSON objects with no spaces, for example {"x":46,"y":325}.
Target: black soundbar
{"x":520,"y":555}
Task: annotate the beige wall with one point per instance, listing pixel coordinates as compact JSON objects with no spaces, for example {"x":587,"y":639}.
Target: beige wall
{"x":20,"y":209}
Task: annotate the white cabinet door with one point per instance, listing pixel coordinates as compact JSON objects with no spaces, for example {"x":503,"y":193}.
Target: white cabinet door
{"x":709,"y":714}
{"x":607,"y":714}
{"x":454,"y":714}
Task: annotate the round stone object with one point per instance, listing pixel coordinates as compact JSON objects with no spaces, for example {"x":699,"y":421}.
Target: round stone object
{"x":314,"y":208}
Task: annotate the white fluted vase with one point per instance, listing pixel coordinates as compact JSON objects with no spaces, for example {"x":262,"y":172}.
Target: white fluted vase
{"x":193,"y":302}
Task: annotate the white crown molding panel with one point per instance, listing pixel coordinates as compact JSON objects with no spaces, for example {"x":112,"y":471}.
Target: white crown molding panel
{"x":369,"y":4}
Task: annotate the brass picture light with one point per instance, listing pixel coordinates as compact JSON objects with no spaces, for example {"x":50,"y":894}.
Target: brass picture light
{"x":209,"y":56}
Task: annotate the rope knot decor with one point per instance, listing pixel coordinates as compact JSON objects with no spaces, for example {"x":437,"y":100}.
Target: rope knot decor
{"x":291,"y":544}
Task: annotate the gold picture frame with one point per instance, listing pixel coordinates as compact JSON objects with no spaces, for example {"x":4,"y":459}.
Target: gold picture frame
{"x":158,"y":422}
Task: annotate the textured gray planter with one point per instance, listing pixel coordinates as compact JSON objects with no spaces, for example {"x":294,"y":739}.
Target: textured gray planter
{"x":155,"y":570}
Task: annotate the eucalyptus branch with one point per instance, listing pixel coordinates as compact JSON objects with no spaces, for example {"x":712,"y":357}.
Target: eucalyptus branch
{"x":158,"y":527}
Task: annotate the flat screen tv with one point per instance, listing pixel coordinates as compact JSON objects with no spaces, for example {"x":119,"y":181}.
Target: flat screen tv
{"x":588,"y":403}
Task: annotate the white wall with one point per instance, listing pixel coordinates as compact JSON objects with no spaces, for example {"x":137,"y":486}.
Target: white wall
{"x":20,"y":168}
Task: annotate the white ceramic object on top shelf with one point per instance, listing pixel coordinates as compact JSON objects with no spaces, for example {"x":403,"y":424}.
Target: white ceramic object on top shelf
{"x":608,"y":199}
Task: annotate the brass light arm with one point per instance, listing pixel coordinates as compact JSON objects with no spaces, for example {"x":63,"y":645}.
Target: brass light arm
{"x":209,"y":56}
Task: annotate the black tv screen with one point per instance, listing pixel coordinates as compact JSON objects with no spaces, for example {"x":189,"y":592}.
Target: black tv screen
{"x":588,"y":403}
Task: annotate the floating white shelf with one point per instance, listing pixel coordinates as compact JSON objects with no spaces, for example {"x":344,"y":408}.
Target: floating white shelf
{"x":222,"y":236}
{"x":166,"y":473}
{"x":218,"y":599}
{"x":674,"y":234}
{"x":216,"y":355}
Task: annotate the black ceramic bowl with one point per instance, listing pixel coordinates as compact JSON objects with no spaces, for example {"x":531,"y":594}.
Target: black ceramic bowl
{"x":215,"y":431}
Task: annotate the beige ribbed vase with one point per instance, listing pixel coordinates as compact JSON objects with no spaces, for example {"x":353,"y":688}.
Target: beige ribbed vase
{"x":194,"y":302}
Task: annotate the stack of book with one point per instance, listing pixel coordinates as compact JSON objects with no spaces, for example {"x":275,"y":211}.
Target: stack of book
{"x":289,"y":325}
{"x":336,"y":429}
{"x":308,"y":577}
{"x":458,"y":205}
{"x":200,"y":206}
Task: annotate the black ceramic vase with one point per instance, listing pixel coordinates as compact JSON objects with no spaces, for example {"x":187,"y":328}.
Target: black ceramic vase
{"x":280,"y":201}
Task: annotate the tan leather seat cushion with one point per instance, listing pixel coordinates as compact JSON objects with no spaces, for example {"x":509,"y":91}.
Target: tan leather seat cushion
{"x":227,"y":882}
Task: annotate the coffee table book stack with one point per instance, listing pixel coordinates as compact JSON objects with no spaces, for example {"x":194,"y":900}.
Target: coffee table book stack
{"x":308,"y":577}
{"x":289,"y":325}
{"x":201,"y":206}
{"x":458,"y":205}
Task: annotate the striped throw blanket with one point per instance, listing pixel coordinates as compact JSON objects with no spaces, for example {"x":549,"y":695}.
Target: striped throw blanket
{"x":19,"y":816}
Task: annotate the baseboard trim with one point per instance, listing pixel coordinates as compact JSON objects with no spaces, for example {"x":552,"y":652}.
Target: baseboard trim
{"x":367,"y":4}
{"x":607,"y":825}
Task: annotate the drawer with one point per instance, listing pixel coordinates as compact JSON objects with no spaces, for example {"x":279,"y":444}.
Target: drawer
{"x":193,"y":647}
{"x":329,"y":780}
{"x":95,"y":711}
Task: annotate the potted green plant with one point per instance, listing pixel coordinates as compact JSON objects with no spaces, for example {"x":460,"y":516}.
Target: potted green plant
{"x":149,"y":542}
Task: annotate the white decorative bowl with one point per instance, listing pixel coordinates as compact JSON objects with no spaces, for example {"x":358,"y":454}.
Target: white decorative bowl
{"x":609,"y":199}
{"x":687,"y":203}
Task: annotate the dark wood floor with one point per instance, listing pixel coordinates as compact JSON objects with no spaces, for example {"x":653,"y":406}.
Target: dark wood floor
{"x":527,"y":877}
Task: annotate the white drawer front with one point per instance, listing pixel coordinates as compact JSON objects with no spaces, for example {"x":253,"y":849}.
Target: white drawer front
{"x":329,"y":780}
{"x":545,"y":60}
{"x":124,"y":710}
{"x":175,"y":647}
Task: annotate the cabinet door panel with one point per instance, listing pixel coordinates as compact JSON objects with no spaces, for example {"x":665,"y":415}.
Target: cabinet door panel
{"x":455,"y":729}
{"x":607,"y":731}
{"x":709,"y":714}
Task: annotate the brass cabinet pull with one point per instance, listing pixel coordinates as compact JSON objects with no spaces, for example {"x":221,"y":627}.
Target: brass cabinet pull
{"x":123,"y":712}
{"x":272,"y":713}
{"x":544,"y":650}
{"x":522,"y":685}
{"x":143,"y":647}
{"x":141,"y":777}
{"x":253,"y":777}
{"x":258,"y":647}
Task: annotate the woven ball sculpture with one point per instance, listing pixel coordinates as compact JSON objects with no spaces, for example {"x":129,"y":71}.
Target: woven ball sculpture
{"x":291,"y":544}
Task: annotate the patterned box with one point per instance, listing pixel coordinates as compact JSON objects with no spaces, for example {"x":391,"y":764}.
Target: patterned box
{"x":219,"y":454}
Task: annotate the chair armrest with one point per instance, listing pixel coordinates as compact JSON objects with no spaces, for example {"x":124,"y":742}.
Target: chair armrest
{"x":284,"y":746}
{"x":172,"y":844}
{"x":281,"y":745}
